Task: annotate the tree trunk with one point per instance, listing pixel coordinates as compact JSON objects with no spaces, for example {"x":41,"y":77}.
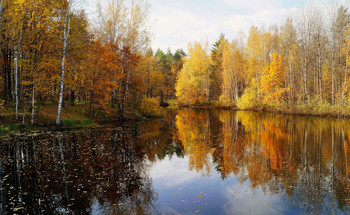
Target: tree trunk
{"x":113,"y":98}
{"x":1,"y":11}
{"x":16,"y":86}
{"x":5,"y":55}
{"x":72,"y":97}
{"x":65,"y":36}
{"x":91,"y":108}
{"x":305,"y":76}
{"x":33,"y":103}
{"x":24,"y":113}
{"x":346,"y":74}
{"x":16,"y":71}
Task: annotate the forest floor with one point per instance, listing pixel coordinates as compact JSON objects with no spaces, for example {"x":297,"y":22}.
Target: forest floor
{"x":73,"y":117}
{"x":44,"y":119}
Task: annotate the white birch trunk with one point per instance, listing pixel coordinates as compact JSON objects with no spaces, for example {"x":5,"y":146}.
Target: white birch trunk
{"x":24,"y":113}
{"x":65,"y":37}
{"x":1,"y":10}
{"x":33,"y":103}
{"x":16,"y":71}
{"x":16,"y":86}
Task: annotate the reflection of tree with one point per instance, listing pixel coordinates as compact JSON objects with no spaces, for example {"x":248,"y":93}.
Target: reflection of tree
{"x":69,"y":173}
{"x":232,"y":152}
{"x":194,"y":133}
{"x":158,"y":135}
{"x":306,"y":159}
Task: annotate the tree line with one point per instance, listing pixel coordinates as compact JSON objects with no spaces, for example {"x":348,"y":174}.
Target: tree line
{"x":51,"y":53}
{"x":301,"y":65}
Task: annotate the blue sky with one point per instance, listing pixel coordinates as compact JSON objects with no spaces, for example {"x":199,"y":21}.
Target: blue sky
{"x":175,"y":23}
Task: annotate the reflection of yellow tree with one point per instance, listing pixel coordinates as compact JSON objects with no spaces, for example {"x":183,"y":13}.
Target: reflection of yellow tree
{"x":194,"y":133}
{"x":158,"y":135}
{"x":345,"y":171}
{"x":298,"y":156}
{"x":233,"y":145}
{"x":274,"y":139}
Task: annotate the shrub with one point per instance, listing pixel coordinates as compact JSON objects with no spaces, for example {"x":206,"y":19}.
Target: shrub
{"x":316,"y":106}
{"x":150,"y":107}
{"x":224,"y":101}
{"x":250,"y":98}
{"x":3,"y":129}
{"x":13,"y":127}
{"x":172,"y":102}
{"x":87,"y":122}
{"x":68,"y":122}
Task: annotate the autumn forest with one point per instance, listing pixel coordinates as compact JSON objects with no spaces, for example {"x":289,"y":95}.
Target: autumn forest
{"x":54,"y":57}
{"x":97,"y":116}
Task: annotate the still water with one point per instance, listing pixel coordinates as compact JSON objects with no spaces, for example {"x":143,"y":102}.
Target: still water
{"x":189,"y":162}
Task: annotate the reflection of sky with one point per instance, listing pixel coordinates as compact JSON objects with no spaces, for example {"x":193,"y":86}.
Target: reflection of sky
{"x":241,"y":199}
{"x":172,"y":172}
{"x":182,"y":191}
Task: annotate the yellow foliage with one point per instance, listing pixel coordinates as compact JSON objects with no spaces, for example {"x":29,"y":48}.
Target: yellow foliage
{"x":233,"y":69}
{"x":272,"y":85}
{"x":250,"y":98}
{"x":193,"y":131}
{"x":150,"y":107}
{"x":226,"y":101}
{"x":192,"y":86}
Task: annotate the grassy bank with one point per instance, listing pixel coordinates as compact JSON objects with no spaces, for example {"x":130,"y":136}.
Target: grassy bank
{"x":76,"y":116}
{"x":310,"y":107}
{"x":174,"y":105}
{"x":45,"y":118}
{"x":73,"y":117}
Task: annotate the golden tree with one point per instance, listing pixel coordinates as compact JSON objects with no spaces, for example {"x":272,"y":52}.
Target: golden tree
{"x":272,"y":82}
{"x":193,"y":84}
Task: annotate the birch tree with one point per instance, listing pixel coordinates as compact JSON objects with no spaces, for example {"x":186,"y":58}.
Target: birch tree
{"x":65,"y":41}
{"x":232,"y":72}
{"x":304,"y":25}
{"x":16,"y":33}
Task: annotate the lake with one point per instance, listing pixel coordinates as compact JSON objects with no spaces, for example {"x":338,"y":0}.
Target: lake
{"x":188,"y":162}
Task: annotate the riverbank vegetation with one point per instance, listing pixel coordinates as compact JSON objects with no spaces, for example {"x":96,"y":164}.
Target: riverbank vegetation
{"x":53,"y":56}
{"x":298,"y":67}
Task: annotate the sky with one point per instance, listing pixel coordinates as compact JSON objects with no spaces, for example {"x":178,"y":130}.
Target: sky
{"x":175,"y":23}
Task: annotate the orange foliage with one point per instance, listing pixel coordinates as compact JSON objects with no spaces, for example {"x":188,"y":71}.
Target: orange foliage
{"x":102,"y":70}
{"x":272,"y":86}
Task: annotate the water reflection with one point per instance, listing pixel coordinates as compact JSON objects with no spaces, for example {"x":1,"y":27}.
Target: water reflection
{"x":98,"y":171}
{"x":191,"y":161}
{"x":305,"y":159}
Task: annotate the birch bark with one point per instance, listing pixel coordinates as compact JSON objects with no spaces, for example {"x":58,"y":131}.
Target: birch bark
{"x":65,"y":40}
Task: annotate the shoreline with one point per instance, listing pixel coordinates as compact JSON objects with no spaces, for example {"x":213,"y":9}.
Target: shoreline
{"x":260,"y":110}
{"x":19,"y":128}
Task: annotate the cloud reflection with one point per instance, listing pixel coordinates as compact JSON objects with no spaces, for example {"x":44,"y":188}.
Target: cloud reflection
{"x":242,"y":199}
{"x":173,"y":172}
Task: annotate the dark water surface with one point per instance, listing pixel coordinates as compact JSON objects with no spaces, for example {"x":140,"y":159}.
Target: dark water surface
{"x":189,"y":162}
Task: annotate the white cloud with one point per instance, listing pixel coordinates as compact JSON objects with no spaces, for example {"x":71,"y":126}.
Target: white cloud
{"x":253,"y":6}
{"x":176,"y":23}
{"x":242,"y":200}
{"x":172,"y":172}
{"x":175,"y":27}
